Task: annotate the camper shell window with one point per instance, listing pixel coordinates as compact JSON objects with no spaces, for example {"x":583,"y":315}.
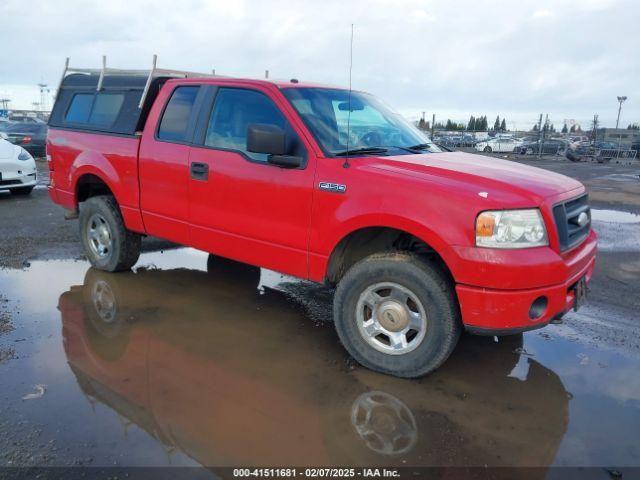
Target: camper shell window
{"x":114,"y":109}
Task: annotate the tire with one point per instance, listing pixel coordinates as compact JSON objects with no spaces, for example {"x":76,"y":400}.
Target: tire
{"x":487,"y":149}
{"x":528,"y":151}
{"x":116,"y":250}
{"x":435,"y":299}
{"x":21,"y":191}
{"x":106,"y":315}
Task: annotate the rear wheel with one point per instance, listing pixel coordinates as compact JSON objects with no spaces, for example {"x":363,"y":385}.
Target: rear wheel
{"x":107,"y":242}
{"x":487,"y":149}
{"x":529,"y":151}
{"x":21,"y":191}
{"x":397,"y":314}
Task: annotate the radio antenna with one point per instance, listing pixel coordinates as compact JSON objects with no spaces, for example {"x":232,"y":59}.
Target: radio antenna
{"x":346,"y":158}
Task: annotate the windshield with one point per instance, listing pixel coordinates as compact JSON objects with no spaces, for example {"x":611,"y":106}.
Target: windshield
{"x":372,"y":125}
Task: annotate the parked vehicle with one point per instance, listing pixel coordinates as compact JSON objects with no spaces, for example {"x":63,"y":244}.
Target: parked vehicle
{"x":17,"y":169}
{"x":26,"y":119}
{"x":4,"y":123}
{"x":498,"y":145}
{"x":550,"y":146}
{"x":31,"y":136}
{"x":420,"y":243}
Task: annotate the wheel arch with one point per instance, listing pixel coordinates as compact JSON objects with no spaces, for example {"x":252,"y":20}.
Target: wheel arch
{"x":363,"y":241}
{"x":92,"y":174}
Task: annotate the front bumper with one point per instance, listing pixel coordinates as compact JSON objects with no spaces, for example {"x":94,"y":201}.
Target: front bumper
{"x":18,"y":179}
{"x":492,"y":311}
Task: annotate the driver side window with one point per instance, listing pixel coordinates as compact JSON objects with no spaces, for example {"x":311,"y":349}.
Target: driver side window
{"x":233,"y":111}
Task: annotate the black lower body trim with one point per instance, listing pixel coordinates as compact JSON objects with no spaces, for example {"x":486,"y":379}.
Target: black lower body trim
{"x":501,"y":332}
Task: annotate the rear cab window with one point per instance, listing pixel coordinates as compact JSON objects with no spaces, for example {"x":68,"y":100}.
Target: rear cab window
{"x":177,"y":116}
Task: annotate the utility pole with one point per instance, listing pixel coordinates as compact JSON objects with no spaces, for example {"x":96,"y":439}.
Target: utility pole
{"x":43,"y":91}
{"x":540,"y":136}
{"x":433,"y":125}
{"x":595,"y":128}
{"x":620,"y":100}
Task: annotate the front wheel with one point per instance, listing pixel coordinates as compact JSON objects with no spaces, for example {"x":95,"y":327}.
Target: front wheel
{"x":397,"y":314}
{"x":107,"y":242}
{"x":487,"y":149}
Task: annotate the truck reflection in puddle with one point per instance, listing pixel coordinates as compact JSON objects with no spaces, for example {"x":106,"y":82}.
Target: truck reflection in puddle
{"x":233,"y":374}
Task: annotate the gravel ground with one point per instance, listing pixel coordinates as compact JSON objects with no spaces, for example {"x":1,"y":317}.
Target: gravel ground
{"x":34,"y":227}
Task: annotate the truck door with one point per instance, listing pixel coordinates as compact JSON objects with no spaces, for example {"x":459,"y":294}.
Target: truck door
{"x":164,"y":162}
{"x":240,"y":206}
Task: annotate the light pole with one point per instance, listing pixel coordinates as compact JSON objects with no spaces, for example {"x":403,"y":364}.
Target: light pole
{"x":620,"y":100}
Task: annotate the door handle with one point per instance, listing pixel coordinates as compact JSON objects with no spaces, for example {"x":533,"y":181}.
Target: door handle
{"x":199,"y":171}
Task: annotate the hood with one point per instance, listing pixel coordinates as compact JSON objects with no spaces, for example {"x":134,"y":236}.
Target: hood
{"x":7,"y":150}
{"x":486,"y":173}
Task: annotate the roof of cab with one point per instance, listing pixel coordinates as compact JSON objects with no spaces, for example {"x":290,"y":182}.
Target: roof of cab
{"x":279,"y":83}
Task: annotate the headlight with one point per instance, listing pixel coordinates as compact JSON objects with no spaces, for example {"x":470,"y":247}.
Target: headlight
{"x":24,"y":155}
{"x":511,"y":229}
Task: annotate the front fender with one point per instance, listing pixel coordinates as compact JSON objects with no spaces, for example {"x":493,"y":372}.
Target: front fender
{"x":319,"y":262}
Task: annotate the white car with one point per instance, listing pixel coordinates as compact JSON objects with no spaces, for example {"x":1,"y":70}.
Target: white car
{"x":17,"y":169}
{"x":499,"y":144}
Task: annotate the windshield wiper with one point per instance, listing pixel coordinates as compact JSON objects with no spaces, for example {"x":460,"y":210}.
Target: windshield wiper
{"x":364,"y":150}
{"x":420,"y":146}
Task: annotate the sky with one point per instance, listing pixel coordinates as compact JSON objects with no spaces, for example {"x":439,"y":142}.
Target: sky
{"x":569,"y":59}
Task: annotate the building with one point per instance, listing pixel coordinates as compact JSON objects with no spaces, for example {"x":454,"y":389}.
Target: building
{"x":622,"y":136}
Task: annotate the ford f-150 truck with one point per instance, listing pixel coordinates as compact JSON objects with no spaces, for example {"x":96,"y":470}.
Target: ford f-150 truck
{"x":329,"y":185}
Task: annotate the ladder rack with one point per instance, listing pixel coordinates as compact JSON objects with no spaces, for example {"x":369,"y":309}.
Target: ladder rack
{"x":150,"y":74}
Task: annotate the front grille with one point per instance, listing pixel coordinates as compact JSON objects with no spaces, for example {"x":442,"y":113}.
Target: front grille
{"x":570,"y":232}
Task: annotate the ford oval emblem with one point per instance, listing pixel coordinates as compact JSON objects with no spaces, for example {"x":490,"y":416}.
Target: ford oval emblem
{"x":583,"y":219}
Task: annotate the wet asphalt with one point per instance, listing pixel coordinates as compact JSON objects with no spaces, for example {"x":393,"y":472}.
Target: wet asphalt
{"x":190,"y":360}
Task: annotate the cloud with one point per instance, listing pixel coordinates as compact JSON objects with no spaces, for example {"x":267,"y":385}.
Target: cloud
{"x":449,"y":58}
{"x":542,"y":14}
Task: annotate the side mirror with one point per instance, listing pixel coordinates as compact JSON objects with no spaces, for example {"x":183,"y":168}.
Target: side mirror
{"x":270,"y":139}
{"x":263,"y":138}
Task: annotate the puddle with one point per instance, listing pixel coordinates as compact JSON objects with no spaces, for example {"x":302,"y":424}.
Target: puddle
{"x":617,"y":231}
{"x":614,"y":216}
{"x":188,"y":362}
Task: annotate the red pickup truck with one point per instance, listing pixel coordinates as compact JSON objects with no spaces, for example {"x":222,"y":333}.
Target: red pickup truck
{"x":328,"y":185}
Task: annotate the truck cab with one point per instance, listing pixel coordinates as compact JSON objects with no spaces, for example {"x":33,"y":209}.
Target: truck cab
{"x":329,"y":185}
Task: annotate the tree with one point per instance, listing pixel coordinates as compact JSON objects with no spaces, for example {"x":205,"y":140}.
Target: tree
{"x":535,"y":127}
{"x":572,"y":129}
{"x":503,"y":125}
{"x":421,"y":124}
{"x":472,"y":123}
{"x":565,"y":129}
{"x":633,"y":126}
{"x":496,"y":125}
